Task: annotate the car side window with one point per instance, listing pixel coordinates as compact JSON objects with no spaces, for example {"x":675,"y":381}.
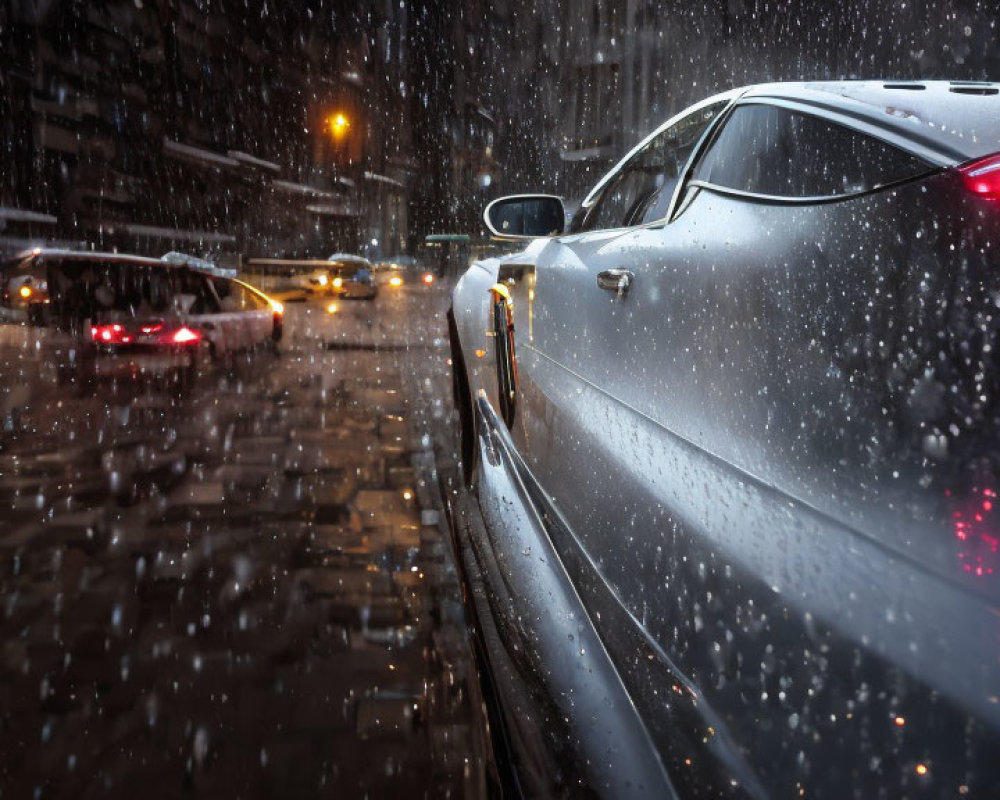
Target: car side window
{"x":772,"y":151}
{"x":246,"y":299}
{"x":641,"y":188}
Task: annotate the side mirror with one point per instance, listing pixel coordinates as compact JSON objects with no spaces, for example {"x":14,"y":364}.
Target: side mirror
{"x":525,"y":216}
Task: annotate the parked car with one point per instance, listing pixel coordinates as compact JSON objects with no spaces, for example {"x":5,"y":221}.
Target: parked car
{"x":351,"y":277}
{"x":733,"y":441}
{"x":87,"y":314}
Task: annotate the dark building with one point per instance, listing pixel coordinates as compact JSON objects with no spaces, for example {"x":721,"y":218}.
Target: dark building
{"x":583,"y":80}
{"x":204,"y":125}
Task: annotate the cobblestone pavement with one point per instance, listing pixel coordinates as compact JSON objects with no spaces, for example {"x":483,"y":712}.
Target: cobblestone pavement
{"x":243,"y":591}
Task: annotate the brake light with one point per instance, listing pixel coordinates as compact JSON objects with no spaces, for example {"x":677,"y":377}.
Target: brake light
{"x":982,"y":177}
{"x":110,"y":334}
{"x":428,"y":278}
{"x":186,"y":335}
{"x":116,"y":334}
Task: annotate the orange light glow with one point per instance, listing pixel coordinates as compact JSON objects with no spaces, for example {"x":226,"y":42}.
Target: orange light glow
{"x":338,"y":125}
{"x":407,"y":495}
{"x":338,"y":282}
{"x":900,"y":721}
{"x":480,"y":354}
{"x":428,"y":278}
{"x":331,"y":309}
{"x":25,"y":292}
{"x":921,"y":769}
{"x":395,"y":280}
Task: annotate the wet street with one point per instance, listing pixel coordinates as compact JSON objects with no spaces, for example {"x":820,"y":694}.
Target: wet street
{"x":245,"y":589}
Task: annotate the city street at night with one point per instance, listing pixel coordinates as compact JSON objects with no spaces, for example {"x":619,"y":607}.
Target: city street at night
{"x":494,"y":400}
{"x":243,"y":589}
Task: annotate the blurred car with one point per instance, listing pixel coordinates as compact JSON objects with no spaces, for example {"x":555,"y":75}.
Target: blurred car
{"x":113,"y":314}
{"x":351,"y":277}
{"x":733,"y":438}
{"x":315,"y":282}
{"x":398,"y":271}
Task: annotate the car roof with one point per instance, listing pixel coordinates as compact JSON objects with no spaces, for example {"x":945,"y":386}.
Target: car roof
{"x":89,"y":255}
{"x":953,"y":121}
{"x":348,"y":258}
{"x":171,"y":260}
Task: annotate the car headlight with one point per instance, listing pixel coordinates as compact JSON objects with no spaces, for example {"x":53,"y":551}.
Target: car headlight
{"x":338,"y":283}
{"x":395,"y":280}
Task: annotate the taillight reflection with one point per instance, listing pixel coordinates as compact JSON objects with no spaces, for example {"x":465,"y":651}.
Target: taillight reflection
{"x":982,"y":177}
{"x":977,"y":531}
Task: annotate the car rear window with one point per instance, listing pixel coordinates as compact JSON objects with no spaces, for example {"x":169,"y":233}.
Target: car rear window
{"x":65,"y":292}
{"x":772,"y":151}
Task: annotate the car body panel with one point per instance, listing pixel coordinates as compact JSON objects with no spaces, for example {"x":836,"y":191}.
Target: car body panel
{"x":737,"y":465}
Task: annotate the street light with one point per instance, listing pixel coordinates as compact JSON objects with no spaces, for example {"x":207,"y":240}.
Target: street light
{"x":338,"y":125}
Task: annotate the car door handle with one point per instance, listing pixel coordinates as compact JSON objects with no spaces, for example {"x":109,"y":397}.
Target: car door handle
{"x":615,"y":280}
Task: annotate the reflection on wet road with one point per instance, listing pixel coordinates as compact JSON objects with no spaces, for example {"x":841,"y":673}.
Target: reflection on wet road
{"x":243,"y":590}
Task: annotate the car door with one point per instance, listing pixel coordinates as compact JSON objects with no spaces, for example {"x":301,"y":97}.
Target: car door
{"x":259,"y":316}
{"x":240,"y":317}
{"x":710,"y":429}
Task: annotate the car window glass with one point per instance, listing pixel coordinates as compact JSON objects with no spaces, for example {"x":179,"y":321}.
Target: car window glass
{"x":641,"y":189}
{"x":194,"y":296}
{"x":242,"y":298}
{"x":66,"y":292}
{"x":767,"y":150}
{"x":25,"y":293}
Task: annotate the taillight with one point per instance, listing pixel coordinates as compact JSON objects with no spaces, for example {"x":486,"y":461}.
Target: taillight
{"x":982,"y":177}
{"x":116,"y":334}
{"x":110,"y":334}
{"x":428,"y":278}
{"x":186,"y":335}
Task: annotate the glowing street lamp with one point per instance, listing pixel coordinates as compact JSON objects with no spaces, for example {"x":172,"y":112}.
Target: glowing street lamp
{"x":338,"y":125}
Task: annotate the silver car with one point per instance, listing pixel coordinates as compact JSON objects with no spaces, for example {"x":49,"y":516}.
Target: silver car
{"x":732,"y":440}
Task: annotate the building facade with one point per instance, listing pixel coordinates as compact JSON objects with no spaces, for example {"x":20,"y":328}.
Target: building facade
{"x":204,"y":125}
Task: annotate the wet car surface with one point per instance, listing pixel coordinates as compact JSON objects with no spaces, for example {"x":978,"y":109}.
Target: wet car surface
{"x":730,"y":441}
{"x":243,"y":591}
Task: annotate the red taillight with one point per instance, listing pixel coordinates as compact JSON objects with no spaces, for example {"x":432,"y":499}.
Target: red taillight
{"x":115,"y":334}
{"x":109,"y":334}
{"x":982,"y":177}
{"x":428,"y":278}
{"x":186,"y":335}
